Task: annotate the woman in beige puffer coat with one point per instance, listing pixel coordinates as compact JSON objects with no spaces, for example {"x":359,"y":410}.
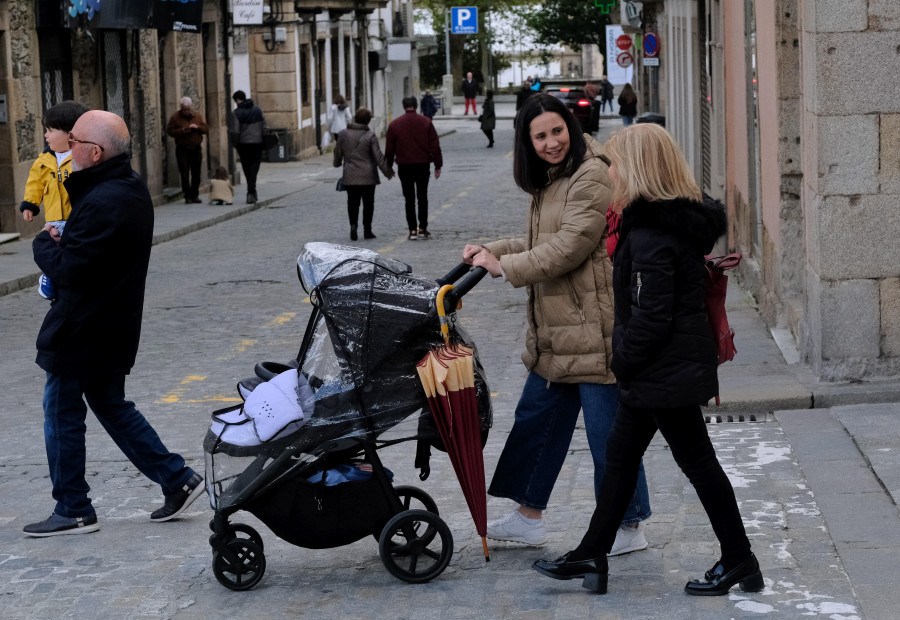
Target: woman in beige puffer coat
{"x":563,"y":263}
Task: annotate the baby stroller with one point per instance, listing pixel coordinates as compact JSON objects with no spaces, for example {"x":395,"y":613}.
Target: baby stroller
{"x":352,"y":390}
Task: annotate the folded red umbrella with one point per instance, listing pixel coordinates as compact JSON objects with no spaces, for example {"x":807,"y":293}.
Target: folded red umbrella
{"x":448,"y":376}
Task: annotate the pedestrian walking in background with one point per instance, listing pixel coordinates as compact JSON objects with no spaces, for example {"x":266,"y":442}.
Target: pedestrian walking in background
{"x":413,"y":142}
{"x":338,"y":116}
{"x":188,"y":128}
{"x":429,"y":105}
{"x":564,"y":265}
{"x":488,"y":119}
{"x":524,"y":93}
{"x":627,"y":105}
{"x":664,"y":356}
{"x":246,"y":129}
{"x":89,"y":338}
{"x":221,"y":191}
{"x":357,"y":149}
{"x":470,"y":91}
{"x":48,"y":174}
{"x":607,"y":94}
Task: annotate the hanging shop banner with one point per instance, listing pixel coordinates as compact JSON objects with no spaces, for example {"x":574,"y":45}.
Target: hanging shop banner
{"x":181,"y":15}
{"x":617,"y":73}
{"x":178,"y":15}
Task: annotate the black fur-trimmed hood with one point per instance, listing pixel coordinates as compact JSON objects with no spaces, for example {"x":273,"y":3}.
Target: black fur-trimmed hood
{"x":698,"y":223}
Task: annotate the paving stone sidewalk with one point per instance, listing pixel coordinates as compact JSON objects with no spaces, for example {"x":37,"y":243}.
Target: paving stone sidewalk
{"x":816,"y":487}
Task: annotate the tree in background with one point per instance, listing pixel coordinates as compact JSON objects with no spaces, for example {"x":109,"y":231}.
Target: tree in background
{"x":568,"y":22}
{"x":467,"y":52}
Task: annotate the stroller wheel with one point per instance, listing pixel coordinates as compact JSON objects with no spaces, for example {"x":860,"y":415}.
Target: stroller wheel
{"x":414,"y":498}
{"x":243,"y":569}
{"x":416,"y":546}
{"x":407,"y":494}
{"x":241,"y":531}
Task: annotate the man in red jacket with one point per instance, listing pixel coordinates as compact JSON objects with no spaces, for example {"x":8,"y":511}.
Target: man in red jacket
{"x":413,"y":141}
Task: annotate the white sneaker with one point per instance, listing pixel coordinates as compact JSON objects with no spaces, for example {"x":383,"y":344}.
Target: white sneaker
{"x":628,"y":539}
{"x":513,"y":528}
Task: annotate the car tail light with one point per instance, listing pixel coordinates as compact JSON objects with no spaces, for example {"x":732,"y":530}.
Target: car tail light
{"x":564,"y":90}
{"x":583,"y":102}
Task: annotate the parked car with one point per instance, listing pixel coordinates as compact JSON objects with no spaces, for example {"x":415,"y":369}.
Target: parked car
{"x":586,"y":111}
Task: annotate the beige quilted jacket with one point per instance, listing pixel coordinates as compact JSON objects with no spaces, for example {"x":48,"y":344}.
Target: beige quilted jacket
{"x":564,"y":265}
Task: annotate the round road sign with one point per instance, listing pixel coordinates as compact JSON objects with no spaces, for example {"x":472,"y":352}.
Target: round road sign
{"x":623,"y":42}
{"x":651,"y":45}
{"x":625,"y":60}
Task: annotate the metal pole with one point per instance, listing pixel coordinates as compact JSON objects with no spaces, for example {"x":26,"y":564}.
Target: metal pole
{"x":447,"y":37}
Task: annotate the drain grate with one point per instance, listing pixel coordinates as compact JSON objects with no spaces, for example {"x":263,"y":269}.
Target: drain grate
{"x":738,"y":417}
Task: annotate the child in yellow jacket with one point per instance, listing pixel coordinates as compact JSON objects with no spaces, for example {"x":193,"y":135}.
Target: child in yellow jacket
{"x":49,"y":172}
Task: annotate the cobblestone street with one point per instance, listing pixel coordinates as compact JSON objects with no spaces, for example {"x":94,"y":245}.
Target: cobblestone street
{"x":225,"y":297}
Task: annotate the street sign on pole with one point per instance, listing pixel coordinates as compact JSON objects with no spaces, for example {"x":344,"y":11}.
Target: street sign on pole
{"x":464,"y":19}
{"x":623,"y":42}
{"x":625,"y":60}
{"x":651,"y":45}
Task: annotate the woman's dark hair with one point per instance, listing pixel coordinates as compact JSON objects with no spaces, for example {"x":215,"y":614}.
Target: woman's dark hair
{"x":628,"y":95}
{"x":529,"y":170}
{"x":488,"y":94}
{"x":220,"y":174}
{"x":63,"y":115}
{"x":362,"y":116}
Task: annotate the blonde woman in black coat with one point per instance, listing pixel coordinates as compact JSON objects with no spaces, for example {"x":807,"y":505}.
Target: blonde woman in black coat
{"x":664,"y":357}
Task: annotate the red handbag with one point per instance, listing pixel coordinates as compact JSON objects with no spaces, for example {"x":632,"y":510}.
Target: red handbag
{"x":716,"y":288}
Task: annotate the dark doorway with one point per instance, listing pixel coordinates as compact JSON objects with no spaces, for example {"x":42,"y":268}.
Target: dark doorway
{"x":55,"y":49}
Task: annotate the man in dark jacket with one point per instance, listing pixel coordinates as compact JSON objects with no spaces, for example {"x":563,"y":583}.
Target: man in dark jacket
{"x":413,"y":141}
{"x":89,"y":339}
{"x":470,"y":91}
{"x":247,"y":132}
{"x":188,"y":128}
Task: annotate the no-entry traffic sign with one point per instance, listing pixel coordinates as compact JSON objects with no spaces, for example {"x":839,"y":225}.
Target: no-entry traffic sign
{"x":623,"y":42}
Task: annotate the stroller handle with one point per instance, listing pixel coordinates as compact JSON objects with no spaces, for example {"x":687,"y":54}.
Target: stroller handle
{"x":467,"y":284}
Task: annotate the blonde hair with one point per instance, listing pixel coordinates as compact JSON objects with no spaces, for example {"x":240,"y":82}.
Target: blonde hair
{"x":649,"y":165}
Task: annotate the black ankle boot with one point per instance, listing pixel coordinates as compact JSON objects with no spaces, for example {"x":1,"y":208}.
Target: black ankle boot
{"x":368,"y":234}
{"x":595,"y":571}
{"x":717,"y":581}
{"x":353,"y":236}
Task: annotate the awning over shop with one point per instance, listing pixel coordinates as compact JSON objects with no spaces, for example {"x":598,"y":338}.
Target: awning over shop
{"x":181,"y":15}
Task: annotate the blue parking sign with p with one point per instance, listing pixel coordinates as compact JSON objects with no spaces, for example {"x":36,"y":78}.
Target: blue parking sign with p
{"x":464,"y":19}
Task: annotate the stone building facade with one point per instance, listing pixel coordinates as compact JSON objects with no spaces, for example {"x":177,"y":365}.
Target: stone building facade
{"x":132,"y":57}
{"x":789,"y":111}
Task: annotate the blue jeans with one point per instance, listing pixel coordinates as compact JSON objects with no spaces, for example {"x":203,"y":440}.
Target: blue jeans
{"x":64,"y":431}
{"x":539,"y":441}
{"x":627,"y":120}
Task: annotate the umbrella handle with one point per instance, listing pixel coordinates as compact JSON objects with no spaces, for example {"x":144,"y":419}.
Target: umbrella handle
{"x":468,"y":283}
{"x":442,"y":313}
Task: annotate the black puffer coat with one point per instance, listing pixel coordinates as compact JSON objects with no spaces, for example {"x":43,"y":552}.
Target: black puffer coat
{"x":664,"y":354}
